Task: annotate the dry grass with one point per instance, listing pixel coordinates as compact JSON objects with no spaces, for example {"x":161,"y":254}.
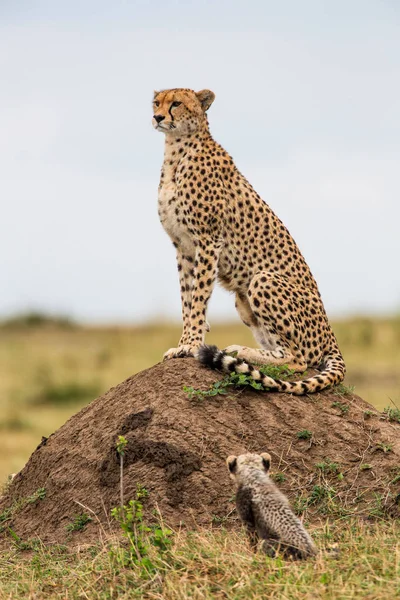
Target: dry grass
{"x":210,"y":565}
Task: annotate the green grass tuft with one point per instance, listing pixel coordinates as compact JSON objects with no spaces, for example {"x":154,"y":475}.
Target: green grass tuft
{"x":79,"y":522}
{"x":344,"y":408}
{"x":7,"y":514}
{"x":343,"y":390}
{"x":328,"y":466}
{"x":392,"y":414}
{"x":304,"y":434}
{"x":278,"y":477}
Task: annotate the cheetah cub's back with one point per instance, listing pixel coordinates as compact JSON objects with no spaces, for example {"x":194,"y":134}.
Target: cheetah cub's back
{"x":265,"y":511}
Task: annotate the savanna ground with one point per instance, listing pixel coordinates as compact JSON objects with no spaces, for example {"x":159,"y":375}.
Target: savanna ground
{"x":49,"y":369}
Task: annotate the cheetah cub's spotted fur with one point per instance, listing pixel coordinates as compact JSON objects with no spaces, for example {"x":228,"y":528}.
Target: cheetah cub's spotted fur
{"x":223,"y":230}
{"x":265,"y":511}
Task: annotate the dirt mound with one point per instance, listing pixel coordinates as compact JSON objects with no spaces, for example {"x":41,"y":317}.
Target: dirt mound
{"x":332,"y":454}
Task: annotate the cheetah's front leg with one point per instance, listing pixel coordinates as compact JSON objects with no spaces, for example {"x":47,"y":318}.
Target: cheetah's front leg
{"x":186,"y":272}
{"x":185,"y":263}
{"x":202,"y":283}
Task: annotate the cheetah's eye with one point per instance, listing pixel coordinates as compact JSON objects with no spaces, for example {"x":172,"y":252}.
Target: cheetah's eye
{"x":175,"y":104}
{"x":156,"y":103}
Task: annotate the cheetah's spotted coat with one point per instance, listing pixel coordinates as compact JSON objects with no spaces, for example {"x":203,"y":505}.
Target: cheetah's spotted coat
{"x":221,"y":228}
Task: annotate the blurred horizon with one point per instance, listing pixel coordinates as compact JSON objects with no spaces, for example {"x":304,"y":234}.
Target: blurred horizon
{"x":38,"y":318}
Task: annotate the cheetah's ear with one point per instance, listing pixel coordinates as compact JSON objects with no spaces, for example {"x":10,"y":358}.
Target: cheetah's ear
{"x":266,"y":460}
{"x":206,"y":98}
{"x":155,"y":94}
{"x":231,"y":461}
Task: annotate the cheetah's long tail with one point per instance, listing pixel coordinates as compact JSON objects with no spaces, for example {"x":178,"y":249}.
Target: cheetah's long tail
{"x":333,"y":373}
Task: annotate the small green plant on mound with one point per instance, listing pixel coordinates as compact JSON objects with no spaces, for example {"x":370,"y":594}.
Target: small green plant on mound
{"x":277,"y":371}
{"x":278,"y":477}
{"x":23,"y":545}
{"x":377,"y":508}
{"x":323,"y":499}
{"x":365,"y":467}
{"x":328,"y":466}
{"x":392,"y":414}
{"x":218,"y":520}
{"x":396,"y":478}
{"x":384,"y":447}
{"x":304,"y":434}
{"x":218,"y":388}
{"x":343,"y":390}
{"x":79,"y":522}
{"x":239,"y":381}
{"x":344,"y":408}
{"x":18,"y":505}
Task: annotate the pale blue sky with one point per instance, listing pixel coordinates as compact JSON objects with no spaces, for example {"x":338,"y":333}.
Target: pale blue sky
{"x":307,"y":103}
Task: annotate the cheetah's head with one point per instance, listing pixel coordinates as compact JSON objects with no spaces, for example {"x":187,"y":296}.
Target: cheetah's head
{"x":237,"y":465}
{"x":180,"y":111}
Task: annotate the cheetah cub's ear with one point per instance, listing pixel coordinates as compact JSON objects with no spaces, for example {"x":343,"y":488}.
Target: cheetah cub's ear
{"x":206,"y":98}
{"x":231,"y":462}
{"x":266,"y":460}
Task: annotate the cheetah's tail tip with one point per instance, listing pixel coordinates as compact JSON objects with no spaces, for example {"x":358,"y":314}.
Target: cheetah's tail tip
{"x":210,"y":356}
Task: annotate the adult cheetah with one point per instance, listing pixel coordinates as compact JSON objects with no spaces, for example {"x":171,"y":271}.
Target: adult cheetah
{"x":221,"y":228}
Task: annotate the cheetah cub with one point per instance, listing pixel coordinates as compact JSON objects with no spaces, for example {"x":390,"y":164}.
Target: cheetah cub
{"x":265,"y":510}
{"x":223,"y":230}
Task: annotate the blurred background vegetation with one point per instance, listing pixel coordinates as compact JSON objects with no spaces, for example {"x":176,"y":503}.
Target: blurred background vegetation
{"x":50,"y":367}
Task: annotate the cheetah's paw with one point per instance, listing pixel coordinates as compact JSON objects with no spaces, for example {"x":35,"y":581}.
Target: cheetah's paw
{"x":180,"y":352}
{"x":235,"y":348}
{"x":251,"y":355}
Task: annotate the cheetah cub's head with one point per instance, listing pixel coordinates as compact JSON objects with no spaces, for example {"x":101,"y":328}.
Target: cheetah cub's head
{"x":180,"y":112}
{"x":241,"y":465}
